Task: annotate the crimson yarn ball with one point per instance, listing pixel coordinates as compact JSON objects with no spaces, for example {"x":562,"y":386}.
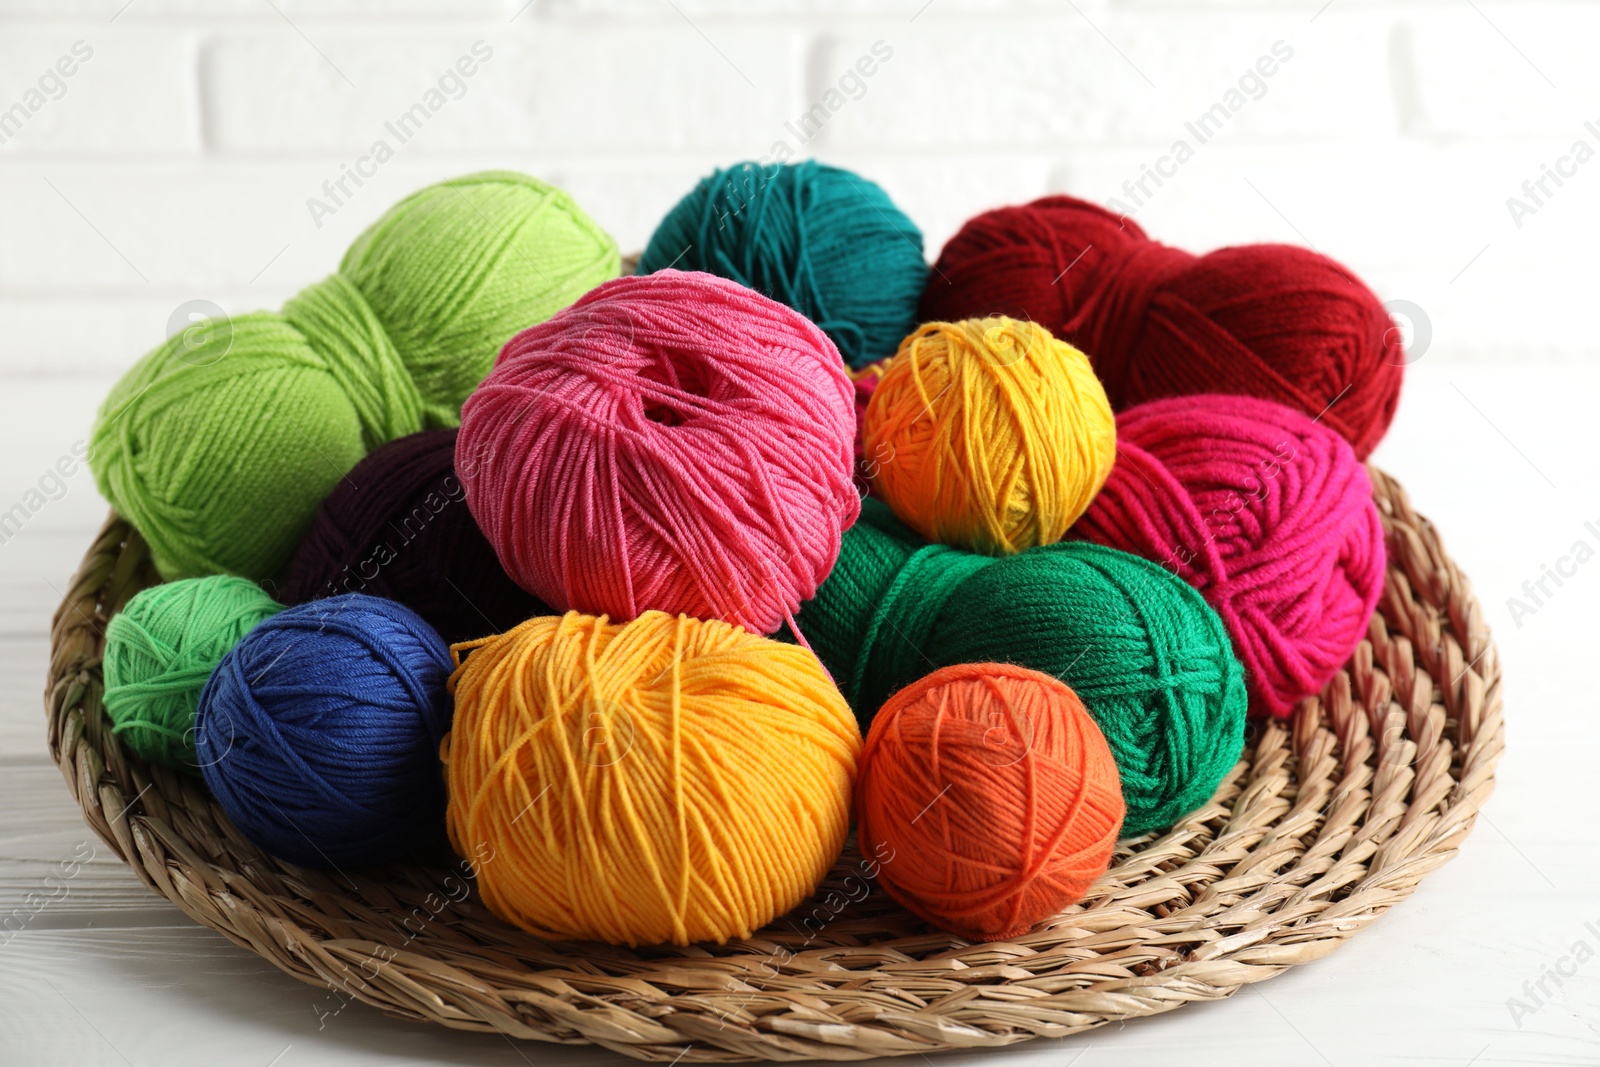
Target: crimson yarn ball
{"x":1274,"y":321}
{"x":397,"y":526}
{"x":674,"y":442}
{"x":1268,"y":514}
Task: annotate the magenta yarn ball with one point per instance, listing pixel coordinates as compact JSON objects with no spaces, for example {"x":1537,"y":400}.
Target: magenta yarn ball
{"x":675,"y":442}
{"x":1264,"y":511}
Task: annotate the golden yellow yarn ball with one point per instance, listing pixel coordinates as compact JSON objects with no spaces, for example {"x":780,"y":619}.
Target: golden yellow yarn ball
{"x":989,"y":434}
{"x":664,"y":780}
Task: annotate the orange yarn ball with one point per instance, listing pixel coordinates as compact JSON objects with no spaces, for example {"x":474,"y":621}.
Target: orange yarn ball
{"x":991,"y":796}
{"x":988,"y":434}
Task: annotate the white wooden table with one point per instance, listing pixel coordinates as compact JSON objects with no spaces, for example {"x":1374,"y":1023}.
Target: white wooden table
{"x":1502,"y":456}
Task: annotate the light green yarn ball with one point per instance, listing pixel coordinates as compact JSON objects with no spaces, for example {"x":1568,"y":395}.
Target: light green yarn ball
{"x":220,"y":444}
{"x":160,"y":650}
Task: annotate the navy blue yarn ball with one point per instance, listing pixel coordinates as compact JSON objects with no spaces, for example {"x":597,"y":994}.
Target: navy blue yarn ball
{"x":319,"y":733}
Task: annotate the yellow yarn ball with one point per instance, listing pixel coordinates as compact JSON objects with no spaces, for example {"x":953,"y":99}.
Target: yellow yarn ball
{"x":666,"y":779}
{"x":989,"y":434}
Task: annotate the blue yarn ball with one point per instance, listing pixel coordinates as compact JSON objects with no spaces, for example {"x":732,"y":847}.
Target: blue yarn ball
{"x":319,"y":732}
{"x":825,"y":241}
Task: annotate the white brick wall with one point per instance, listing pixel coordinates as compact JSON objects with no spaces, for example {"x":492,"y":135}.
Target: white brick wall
{"x":177,"y":160}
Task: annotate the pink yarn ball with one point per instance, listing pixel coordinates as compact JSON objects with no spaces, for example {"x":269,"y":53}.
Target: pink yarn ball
{"x":674,"y":442}
{"x":1266,"y":513}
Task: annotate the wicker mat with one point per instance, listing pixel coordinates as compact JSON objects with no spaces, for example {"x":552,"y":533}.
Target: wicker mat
{"x":1327,"y":820}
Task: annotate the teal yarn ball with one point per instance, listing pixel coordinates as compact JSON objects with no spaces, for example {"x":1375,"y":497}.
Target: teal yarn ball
{"x":825,"y":241}
{"x":1150,"y":660}
{"x":160,"y":650}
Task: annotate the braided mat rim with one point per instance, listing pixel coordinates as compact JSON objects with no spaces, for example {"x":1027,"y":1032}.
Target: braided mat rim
{"x":1327,"y":820}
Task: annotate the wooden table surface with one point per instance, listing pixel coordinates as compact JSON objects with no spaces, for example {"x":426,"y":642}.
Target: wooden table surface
{"x":1496,"y":959}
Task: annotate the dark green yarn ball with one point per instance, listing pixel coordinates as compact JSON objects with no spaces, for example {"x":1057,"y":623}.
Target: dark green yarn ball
{"x":1144,"y":652}
{"x":825,"y":241}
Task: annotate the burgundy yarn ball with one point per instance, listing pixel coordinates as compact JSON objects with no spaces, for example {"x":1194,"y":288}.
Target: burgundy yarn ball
{"x":1268,"y":514}
{"x":398,"y":527}
{"x":1279,"y":322}
{"x":673,"y":441}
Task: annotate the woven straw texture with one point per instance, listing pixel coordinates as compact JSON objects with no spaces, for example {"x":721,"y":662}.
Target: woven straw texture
{"x":1327,"y":820}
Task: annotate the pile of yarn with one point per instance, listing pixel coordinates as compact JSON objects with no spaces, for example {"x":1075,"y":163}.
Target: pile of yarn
{"x":600,"y":582}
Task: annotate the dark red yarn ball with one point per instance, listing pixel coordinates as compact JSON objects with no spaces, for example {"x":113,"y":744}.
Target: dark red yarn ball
{"x":1278,"y":322}
{"x":398,"y":526}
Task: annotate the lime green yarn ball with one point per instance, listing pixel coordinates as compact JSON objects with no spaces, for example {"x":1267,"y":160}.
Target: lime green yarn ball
{"x":221,"y":463}
{"x":160,"y":650}
{"x":220,"y":444}
{"x":454,"y":270}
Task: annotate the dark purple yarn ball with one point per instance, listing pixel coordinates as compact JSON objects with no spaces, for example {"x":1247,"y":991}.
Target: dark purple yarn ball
{"x":398,"y":526}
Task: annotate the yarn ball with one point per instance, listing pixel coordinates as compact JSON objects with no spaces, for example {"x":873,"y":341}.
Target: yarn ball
{"x":397,"y":526}
{"x":995,"y":795}
{"x":825,"y":241}
{"x":160,"y":649}
{"x":1144,"y":652}
{"x":865,"y":380}
{"x":666,"y":779}
{"x":1266,"y":513}
{"x":990,"y":434}
{"x":673,"y":442}
{"x":319,"y":732}
{"x":1273,"y":321}
{"x":220,"y":443}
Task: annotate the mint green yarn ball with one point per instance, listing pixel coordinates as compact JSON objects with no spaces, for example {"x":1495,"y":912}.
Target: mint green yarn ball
{"x":220,"y":444}
{"x":161,"y":649}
